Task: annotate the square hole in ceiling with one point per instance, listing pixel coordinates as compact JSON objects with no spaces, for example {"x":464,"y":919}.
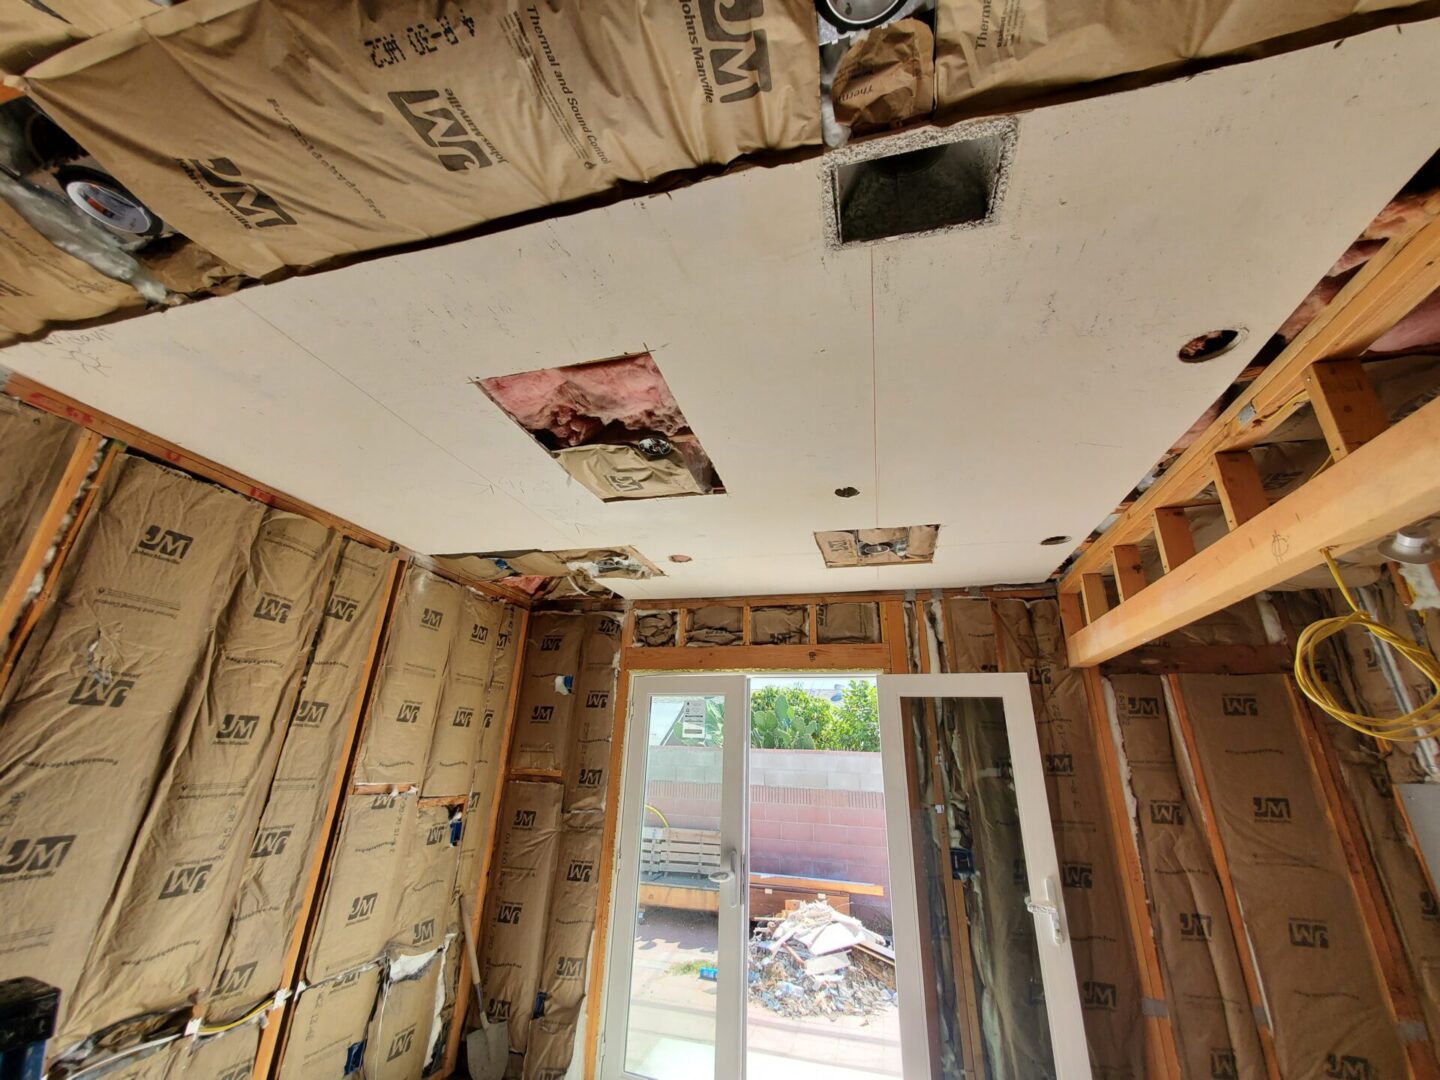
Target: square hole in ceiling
{"x":878,"y":547}
{"x":917,"y":184}
{"x":613,"y":425}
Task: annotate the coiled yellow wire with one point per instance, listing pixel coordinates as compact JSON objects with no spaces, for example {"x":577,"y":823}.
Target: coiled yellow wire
{"x":1419,"y":723}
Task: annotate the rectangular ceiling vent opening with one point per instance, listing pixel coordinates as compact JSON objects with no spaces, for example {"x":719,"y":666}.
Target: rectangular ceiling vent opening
{"x":613,"y":425}
{"x":878,"y":547}
{"x":918,"y":184}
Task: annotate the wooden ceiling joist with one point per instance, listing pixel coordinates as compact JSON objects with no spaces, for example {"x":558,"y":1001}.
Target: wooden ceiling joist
{"x":1381,"y":478}
{"x":1388,"y":483}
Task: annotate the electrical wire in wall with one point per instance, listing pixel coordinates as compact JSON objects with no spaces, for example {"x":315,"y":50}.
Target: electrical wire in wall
{"x":1419,"y":723}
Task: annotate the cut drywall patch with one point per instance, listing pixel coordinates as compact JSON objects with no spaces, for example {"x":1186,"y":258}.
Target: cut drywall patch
{"x":917,"y":184}
{"x":612,"y":424}
{"x":878,"y":547}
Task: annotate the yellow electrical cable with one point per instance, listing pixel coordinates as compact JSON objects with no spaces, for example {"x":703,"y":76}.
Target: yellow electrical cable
{"x":657,"y":814}
{"x":207,"y":1029}
{"x":1417,"y":724}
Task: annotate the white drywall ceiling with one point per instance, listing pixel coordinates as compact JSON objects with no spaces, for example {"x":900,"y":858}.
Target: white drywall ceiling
{"x":1011,"y":382}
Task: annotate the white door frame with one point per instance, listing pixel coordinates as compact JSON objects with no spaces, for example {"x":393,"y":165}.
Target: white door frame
{"x":734,"y":896}
{"x":1057,"y":960}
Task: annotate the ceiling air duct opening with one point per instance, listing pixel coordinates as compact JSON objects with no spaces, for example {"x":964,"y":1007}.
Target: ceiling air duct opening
{"x":919,"y":183}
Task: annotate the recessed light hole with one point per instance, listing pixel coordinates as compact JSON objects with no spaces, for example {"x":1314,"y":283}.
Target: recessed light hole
{"x":1208,"y":346}
{"x":1055,"y":541}
{"x":680,"y":558}
{"x":847,"y":492}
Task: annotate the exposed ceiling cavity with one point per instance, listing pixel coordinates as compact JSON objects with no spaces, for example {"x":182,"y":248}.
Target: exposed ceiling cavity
{"x":1009,"y":383}
{"x":878,"y":547}
{"x":613,"y":425}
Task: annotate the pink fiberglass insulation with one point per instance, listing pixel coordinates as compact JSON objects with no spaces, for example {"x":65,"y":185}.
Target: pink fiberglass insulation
{"x":1420,"y":330}
{"x":573,"y":406}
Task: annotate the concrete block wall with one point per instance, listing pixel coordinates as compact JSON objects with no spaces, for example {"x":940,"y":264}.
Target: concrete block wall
{"x":813,"y":813}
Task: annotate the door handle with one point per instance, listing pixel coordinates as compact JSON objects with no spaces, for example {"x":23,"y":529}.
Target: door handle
{"x":729,"y":875}
{"x":1050,"y":908}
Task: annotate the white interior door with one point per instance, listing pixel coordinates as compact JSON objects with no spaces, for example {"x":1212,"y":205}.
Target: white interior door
{"x":997,"y":778}
{"x":685,"y":733}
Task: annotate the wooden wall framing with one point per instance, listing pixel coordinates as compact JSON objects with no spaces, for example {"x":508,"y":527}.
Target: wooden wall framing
{"x":102,"y":441}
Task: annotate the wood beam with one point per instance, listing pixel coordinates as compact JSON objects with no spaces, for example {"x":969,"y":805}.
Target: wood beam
{"x":1129,"y":570}
{"x":1173,"y":536}
{"x":759,"y":657}
{"x":1238,"y":483}
{"x":1202,"y":660}
{"x":58,"y":404}
{"x":1349,"y":412}
{"x":1383,"y":291}
{"x":1388,"y":483}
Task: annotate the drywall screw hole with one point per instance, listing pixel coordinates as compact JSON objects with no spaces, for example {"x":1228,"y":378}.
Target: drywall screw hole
{"x":1208,"y":346}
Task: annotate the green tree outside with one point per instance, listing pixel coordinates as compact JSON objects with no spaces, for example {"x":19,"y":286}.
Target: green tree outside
{"x":788,"y":718}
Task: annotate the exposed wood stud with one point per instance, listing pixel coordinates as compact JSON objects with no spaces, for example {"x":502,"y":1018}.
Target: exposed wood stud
{"x":1129,"y":570}
{"x":1384,"y":936}
{"x":1173,"y":536}
{"x":12,"y":599}
{"x":1161,"y":1053}
{"x":1349,"y":412}
{"x":971,"y":1040}
{"x":1092,"y":592}
{"x":492,"y":812}
{"x":39,"y":603}
{"x":1072,"y":612}
{"x":1201,"y":790}
{"x":302,"y":934}
{"x":1242,"y":492}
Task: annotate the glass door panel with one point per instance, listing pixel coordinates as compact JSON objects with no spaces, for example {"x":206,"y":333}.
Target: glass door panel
{"x":672,"y":1010}
{"x":988,"y":841}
